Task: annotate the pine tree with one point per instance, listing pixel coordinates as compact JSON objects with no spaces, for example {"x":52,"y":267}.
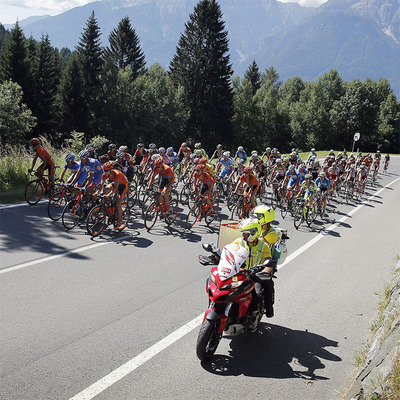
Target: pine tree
{"x":47,"y":77}
{"x":124,"y":50}
{"x":254,"y":76}
{"x":13,"y":60}
{"x":91,"y":61}
{"x":201,"y":65}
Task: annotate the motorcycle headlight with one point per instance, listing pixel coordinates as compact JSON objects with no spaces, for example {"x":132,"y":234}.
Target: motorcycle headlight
{"x":232,"y":285}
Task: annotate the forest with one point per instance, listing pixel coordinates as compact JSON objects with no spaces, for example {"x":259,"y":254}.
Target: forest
{"x":111,"y":92}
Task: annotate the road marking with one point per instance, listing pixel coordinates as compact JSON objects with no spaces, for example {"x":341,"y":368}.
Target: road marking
{"x":125,"y":369}
{"x":65,"y":254}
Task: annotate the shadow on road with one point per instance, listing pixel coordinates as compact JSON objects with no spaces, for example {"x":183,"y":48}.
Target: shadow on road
{"x":270,"y":352}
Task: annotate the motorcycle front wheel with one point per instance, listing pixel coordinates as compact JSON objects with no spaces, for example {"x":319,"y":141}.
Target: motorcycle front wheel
{"x":207,"y":340}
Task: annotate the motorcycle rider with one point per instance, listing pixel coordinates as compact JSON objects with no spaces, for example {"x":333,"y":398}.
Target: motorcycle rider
{"x":259,"y":252}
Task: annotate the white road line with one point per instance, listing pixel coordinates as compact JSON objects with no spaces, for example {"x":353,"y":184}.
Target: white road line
{"x":65,"y":254}
{"x":125,"y":369}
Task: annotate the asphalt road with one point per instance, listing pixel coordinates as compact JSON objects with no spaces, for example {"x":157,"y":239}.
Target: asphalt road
{"x":117,"y":317}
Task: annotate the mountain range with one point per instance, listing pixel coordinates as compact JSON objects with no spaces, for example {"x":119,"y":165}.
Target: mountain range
{"x":359,"y":38}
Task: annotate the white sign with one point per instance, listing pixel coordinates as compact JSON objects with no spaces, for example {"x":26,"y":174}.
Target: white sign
{"x":356,"y":136}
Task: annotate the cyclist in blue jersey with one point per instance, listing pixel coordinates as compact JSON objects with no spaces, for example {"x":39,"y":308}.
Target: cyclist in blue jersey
{"x":173,"y":158}
{"x":323,"y":185}
{"x":301,"y":173}
{"x":241,"y":154}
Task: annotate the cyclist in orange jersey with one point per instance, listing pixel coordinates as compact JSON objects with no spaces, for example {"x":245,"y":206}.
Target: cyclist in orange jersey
{"x":47,"y":160}
{"x":252,"y":184}
{"x":117,"y":183}
{"x":166,"y":181}
{"x":184,"y":152}
{"x":202,"y":177}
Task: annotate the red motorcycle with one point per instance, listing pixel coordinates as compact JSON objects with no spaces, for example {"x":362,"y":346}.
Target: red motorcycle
{"x":229,"y":289}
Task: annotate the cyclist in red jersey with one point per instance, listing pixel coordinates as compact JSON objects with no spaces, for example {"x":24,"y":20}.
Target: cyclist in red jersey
{"x":117,"y":183}
{"x":167,"y":178}
{"x":47,"y":160}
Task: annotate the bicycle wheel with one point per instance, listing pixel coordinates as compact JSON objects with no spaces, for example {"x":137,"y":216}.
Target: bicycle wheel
{"x":212,"y":213}
{"x":96,"y":220}
{"x":184,"y":195}
{"x":310,"y":215}
{"x":298,"y":216}
{"x":193,"y":216}
{"x":125,"y":216}
{"x":231,"y":201}
{"x":33,"y":192}
{"x":238,"y":211}
{"x":73,"y":213}
{"x":150,"y":216}
{"x":170,"y":217}
{"x":284,"y":207}
{"x":56,"y":205}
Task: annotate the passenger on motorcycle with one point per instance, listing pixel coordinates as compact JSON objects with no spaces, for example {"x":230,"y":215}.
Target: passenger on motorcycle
{"x":259,"y":252}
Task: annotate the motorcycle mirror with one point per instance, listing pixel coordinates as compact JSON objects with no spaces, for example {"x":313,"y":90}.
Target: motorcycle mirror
{"x":207,"y":247}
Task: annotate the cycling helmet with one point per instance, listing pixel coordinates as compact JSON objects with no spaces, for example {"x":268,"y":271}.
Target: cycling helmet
{"x":198,"y":151}
{"x":161,"y":150}
{"x":308,"y":176}
{"x":152,"y":146}
{"x":123,"y":148}
{"x":83,"y":154}
{"x":268,"y":149}
{"x":158,"y":162}
{"x":200,"y":167}
{"x":140,"y":146}
{"x":240,"y":148}
{"x":274,"y":150}
{"x":331,"y":152}
{"x":264,"y":214}
{"x":254,"y":152}
{"x":352,"y":165}
{"x":154,"y":157}
{"x":104,"y":158}
{"x":322,"y":174}
{"x":252,"y":227}
{"x":34,"y":141}
{"x":69,"y":157}
{"x":293,"y":153}
{"x":184,"y":144}
{"x":302,"y":166}
{"x":291,"y":167}
{"x":248,"y":170}
{"x":112,"y":146}
{"x":363,"y":163}
{"x":219,"y":146}
{"x":334,"y":164}
{"x":152,"y":151}
{"x":170,"y":150}
{"x":226,"y":154}
{"x":378,"y":151}
{"x":313,"y":149}
{"x":197,"y":145}
{"x":89,"y":147}
{"x":108,"y":166}
{"x":278,"y":161}
{"x":203,"y":160}
{"x":241,"y":161}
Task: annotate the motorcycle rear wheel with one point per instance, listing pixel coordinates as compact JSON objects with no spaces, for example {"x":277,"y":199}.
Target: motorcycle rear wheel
{"x":207,"y":340}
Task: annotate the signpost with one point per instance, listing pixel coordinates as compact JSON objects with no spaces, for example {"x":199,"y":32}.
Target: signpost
{"x":355,"y":139}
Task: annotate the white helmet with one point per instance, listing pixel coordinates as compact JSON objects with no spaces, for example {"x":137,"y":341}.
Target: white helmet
{"x":226,"y":154}
{"x":233,"y":256}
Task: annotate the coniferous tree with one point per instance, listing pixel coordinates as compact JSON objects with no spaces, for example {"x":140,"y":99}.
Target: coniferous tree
{"x":46,"y":80}
{"x":4,"y":33}
{"x":13,"y":61}
{"x":91,"y":61}
{"x":124,"y":50}
{"x":201,"y":66}
{"x":254,"y":76}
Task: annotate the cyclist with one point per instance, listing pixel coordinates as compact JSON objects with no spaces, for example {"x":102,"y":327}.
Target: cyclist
{"x":93,"y":169}
{"x":217,"y":152}
{"x":333,"y":175}
{"x":200,"y":151}
{"x":259,"y":252}
{"x":112,"y":151}
{"x":237,"y":171}
{"x":166,"y":179}
{"x":116,"y":183}
{"x":301,"y":173}
{"x":184,"y":154}
{"x":362,"y":176}
{"x":387,"y":159}
{"x":311,"y":154}
{"x":92,"y":152}
{"x":323,"y":186}
{"x":267,"y":154}
{"x":203,"y":179}
{"x":124,"y":164}
{"x":252,"y":184}
{"x":173,"y":158}
{"x":309,"y":188}
{"x":240,"y":154}
{"x":45,"y":157}
{"x":73,"y":167}
{"x":278,"y":171}
{"x":227,"y":167}
{"x":141,"y":156}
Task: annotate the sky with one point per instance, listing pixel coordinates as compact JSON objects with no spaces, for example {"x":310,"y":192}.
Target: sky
{"x":13,"y":10}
